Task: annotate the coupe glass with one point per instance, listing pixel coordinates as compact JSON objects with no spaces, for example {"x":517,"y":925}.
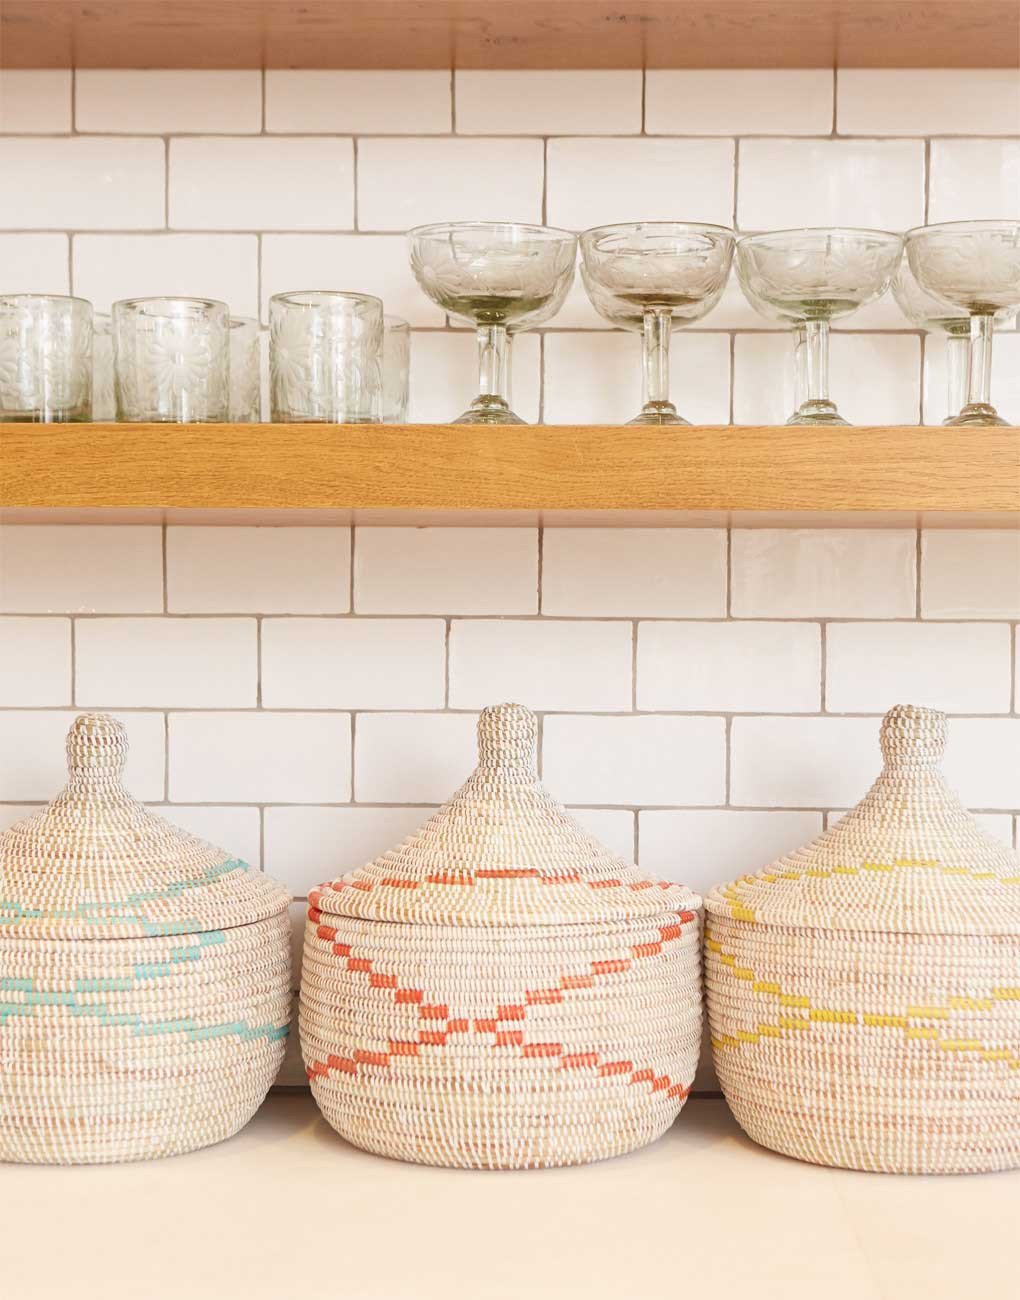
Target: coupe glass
{"x":500,"y":277}
{"x":325,"y":357}
{"x":45,"y":358}
{"x":647,"y":275}
{"x":809,"y":278}
{"x":396,"y":369}
{"x":973,"y":266}
{"x":171,"y":360}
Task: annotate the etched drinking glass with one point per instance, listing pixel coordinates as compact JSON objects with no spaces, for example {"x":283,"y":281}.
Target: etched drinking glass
{"x":501,"y":278}
{"x":808,"y":278}
{"x":396,"y":369}
{"x":45,"y":358}
{"x":245,"y":371}
{"x":104,"y":403}
{"x":171,"y":360}
{"x":648,"y":276}
{"x":973,"y":266}
{"x":325,"y":357}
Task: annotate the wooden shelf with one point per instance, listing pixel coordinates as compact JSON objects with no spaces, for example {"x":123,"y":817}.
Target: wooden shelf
{"x":509,"y":33}
{"x":501,"y":468}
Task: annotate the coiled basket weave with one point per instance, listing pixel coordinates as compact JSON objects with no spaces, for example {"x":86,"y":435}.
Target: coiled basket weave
{"x":864,"y":992}
{"x":500,"y":992}
{"x":144,"y":975}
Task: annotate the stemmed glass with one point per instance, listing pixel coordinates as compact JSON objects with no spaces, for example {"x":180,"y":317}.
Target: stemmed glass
{"x":647,"y":276}
{"x":500,"y":277}
{"x":974,"y":266}
{"x":809,"y":278}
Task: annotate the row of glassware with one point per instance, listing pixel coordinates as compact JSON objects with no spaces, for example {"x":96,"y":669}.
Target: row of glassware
{"x":334,"y":356}
{"x":501,"y":991}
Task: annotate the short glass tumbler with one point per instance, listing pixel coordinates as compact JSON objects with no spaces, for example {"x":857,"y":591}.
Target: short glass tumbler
{"x":973,"y":266}
{"x":809,"y":278}
{"x":171,"y":360}
{"x":500,"y":277}
{"x":325,"y":357}
{"x":245,"y":371}
{"x":45,"y":358}
{"x":396,"y":369}
{"x":104,"y":403}
{"x":648,"y":276}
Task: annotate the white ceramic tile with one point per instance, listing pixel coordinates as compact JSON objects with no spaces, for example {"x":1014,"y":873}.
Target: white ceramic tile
{"x":289,"y":183}
{"x":444,"y":376}
{"x":928,"y":101}
{"x":157,"y":101}
{"x":238,"y":830}
{"x":413,"y":757}
{"x":594,"y":181}
{"x":260,"y":757}
{"x":982,"y":762}
{"x":873,"y":378}
{"x":258,"y":570}
{"x":577,"y":311}
{"x":635,"y":760}
{"x":729,"y":667}
{"x":738,"y":101}
{"x":307,"y":846}
{"x":802,"y":762}
{"x":787,"y":184}
{"x":548,"y":102}
{"x":970,"y":573}
{"x":595,"y":378}
{"x":545,"y":664}
{"x":86,"y":568}
{"x":612,"y":827}
{"x":351,"y":101}
{"x":33,"y":759}
{"x":706,"y":847}
{"x":956,"y":667}
{"x":974,"y":179}
{"x":108,"y":267}
{"x":35,"y":662}
{"x":82,"y":183}
{"x":366,"y":263}
{"x":190,"y":663}
{"x":34,"y":263}
{"x":353,"y":663}
{"x":446,"y":571}
{"x":408,"y":182}
{"x":634,"y":572}
{"x":35,"y":101}
{"x":828,"y":572}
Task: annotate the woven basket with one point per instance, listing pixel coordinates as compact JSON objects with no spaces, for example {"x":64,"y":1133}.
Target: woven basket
{"x":144,"y":975}
{"x":864,"y":992}
{"x":500,"y":992}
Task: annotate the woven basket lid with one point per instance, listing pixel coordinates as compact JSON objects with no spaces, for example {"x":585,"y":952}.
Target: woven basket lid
{"x":501,"y":852}
{"x":909,"y":859}
{"x":95,"y":864}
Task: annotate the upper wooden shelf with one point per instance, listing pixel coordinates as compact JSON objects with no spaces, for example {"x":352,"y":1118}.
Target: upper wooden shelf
{"x":509,"y":468}
{"x":509,"y":33}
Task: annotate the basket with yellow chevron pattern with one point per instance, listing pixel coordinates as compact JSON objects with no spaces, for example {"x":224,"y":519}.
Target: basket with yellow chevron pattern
{"x":144,"y":975}
{"x":500,"y":991}
{"x":864,"y":992}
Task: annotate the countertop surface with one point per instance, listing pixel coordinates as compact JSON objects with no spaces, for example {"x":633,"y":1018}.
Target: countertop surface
{"x":288,"y":1211}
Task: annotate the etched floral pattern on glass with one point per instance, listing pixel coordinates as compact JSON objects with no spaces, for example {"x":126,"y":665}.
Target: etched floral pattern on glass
{"x":45,"y":358}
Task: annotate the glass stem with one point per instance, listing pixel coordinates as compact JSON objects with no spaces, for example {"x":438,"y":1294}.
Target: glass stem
{"x":658,"y":328}
{"x":494,"y":365}
{"x":957,"y":372}
{"x":979,"y":375}
{"x":816,"y":360}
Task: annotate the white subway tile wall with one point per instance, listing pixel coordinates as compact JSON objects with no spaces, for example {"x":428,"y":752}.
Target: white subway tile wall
{"x":306,"y":695}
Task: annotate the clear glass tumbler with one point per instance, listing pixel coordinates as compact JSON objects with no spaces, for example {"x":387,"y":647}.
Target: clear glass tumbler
{"x":171,"y":360}
{"x":45,"y":358}
{"x":245,"y":371}
{"x":325,"y":357}
{"x":396,"y":369}
{"x":104,"y":403}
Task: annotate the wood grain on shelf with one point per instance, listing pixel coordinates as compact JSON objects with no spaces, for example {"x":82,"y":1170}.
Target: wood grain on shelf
{"x":509,"y":33}
{"x":519,"y":467}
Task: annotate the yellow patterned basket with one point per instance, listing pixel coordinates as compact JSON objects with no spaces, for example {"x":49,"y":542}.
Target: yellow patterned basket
{"x":500,"y":991}
{"x":864,"y":992}
{"x":144,"y":975}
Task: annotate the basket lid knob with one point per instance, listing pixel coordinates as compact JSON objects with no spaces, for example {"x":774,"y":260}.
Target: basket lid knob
{"x":507,"y":736}
{"x":911,"y":734}
{"x":97,"y":747}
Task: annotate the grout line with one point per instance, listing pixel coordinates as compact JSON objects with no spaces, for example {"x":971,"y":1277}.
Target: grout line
{"x":448,"y":622}
{"x":540,"y":569}
{"x":917,"y":574}
{"x":74,"y":665}
{"x":258,"y":661}
{"x":823,"y":684}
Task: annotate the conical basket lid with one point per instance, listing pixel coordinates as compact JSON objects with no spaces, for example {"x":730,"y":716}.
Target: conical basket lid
{"x":909,"y":859}
{"x":501,"y":852}
{"x":95,"y":864}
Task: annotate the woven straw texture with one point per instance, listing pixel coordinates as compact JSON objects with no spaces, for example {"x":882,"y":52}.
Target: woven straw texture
{"x":500,"y":992}
{"x":864,"y":992}
{"x":144,"y":975}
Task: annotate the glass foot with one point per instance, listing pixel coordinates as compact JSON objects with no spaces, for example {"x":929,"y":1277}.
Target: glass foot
{"x":488,"y":410}
{"x":977,"y":415}
{"x":817,"y":412}
{"x":658,"y":413}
